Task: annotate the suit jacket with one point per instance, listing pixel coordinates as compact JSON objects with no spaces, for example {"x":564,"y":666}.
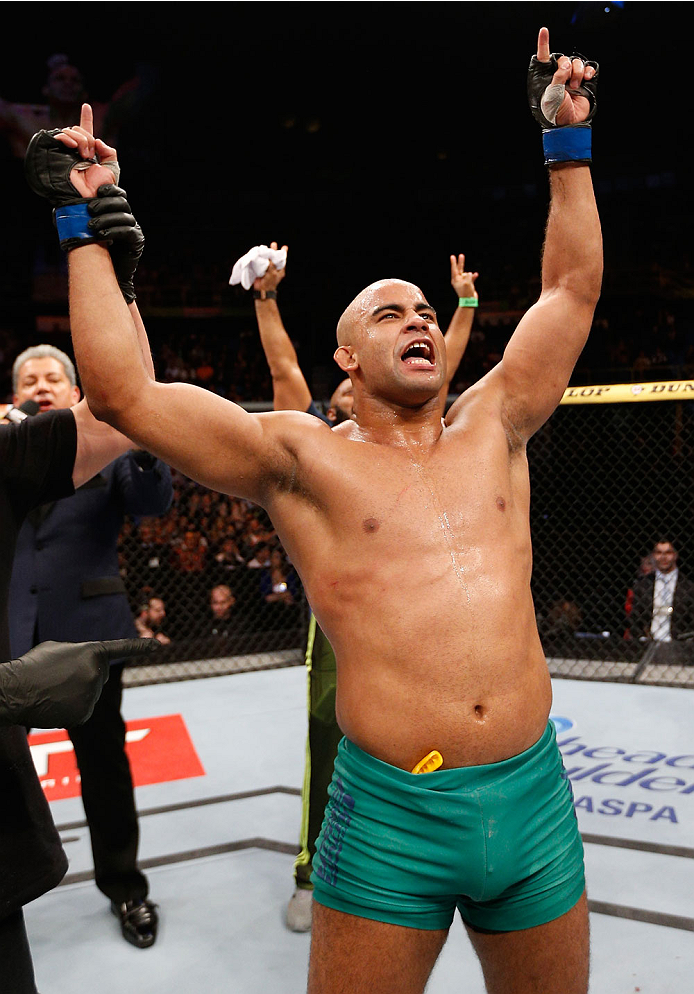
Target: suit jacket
{"x":65,"y":580}
{"x":682,"y":619}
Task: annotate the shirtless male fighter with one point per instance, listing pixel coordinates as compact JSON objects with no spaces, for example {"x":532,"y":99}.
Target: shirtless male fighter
{"x":290,"y":392}
{"x":412,"y":539}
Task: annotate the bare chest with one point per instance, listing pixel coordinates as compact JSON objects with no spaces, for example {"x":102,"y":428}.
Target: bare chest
{"x":396,"y":496}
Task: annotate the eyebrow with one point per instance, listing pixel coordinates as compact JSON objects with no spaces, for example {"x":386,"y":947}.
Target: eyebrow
{"x":401,"y":310}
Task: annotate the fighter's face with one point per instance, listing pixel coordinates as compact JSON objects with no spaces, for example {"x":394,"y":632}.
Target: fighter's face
{"x":397,"y":344}
{"x":45,"y":381}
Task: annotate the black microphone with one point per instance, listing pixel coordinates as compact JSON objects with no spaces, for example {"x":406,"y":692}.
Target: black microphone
{"x":15,"y":415}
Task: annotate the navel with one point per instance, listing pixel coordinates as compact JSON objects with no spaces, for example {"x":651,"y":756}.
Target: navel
{"x":371,"y":525}
{"x":501,"y":503}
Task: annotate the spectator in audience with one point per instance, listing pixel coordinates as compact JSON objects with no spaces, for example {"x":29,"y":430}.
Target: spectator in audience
{"x":228,"y":558}
{"x":646,"y":567}
{"x":278,"y":584}
{"x":146,"y":558}
{"x":261,"y":557}
{"x":191,"y":555}
{"x":257,"y":532}
{"x":151,"y":619}
{"x":225,"y":620}
{"x":563,"y":619}
{"x":663,"y":604}
{"x":279,"y":588}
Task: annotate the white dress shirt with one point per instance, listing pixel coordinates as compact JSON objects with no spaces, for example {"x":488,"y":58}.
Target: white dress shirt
{"x":663,"y":596}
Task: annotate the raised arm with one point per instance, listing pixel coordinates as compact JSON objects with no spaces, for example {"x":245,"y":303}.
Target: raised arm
{"x":543,"y":351}
{"x":458,"y":334}
{"x":290,"y":391}
{"x":98,"y":443}
{"x":240,"y":453}
{"x":223,"y":446}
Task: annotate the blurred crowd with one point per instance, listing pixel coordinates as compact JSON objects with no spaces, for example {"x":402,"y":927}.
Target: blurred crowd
{"x":212,"y":567}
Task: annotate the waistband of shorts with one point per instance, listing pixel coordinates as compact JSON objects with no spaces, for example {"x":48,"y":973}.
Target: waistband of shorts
{"x":455,"y":778}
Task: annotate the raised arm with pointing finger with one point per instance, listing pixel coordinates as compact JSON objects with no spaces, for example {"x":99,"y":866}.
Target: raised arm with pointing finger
{"x":411,"y":536}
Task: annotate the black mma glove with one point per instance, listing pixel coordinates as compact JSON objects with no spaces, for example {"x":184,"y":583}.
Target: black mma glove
{"x":107,"y":218}
{"x":57,"y":684}
{"x":112,"y":221}
{"x":561,"y":143}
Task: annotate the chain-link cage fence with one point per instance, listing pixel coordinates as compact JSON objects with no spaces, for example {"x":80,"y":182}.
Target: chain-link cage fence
{"x":211,"y":581}
{"x":612,"y":478}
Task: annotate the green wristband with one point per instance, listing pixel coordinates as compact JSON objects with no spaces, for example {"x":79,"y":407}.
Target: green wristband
{"x":468,"y":302}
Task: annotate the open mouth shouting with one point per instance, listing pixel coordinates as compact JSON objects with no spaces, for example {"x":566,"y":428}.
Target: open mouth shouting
{"x":419,"y":353}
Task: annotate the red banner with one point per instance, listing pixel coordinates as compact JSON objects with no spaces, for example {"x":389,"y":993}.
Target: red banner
{"x":159,"y":749}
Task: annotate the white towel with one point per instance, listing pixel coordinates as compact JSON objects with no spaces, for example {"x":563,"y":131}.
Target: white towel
{"x":255,"y":263}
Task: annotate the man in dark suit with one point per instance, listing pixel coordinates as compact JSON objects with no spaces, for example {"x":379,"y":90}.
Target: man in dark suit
{"x":66,"y":586}
{"x":663,"y":604}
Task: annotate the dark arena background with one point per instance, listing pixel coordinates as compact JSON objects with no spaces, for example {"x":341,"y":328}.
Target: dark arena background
{"x":376,"y":140}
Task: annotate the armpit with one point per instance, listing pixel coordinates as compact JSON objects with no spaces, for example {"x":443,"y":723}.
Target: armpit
{"x":515,"y":436}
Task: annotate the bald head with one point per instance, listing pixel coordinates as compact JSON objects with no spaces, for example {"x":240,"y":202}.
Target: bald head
{"x":374,"y":332}
{"x":372,"y":296}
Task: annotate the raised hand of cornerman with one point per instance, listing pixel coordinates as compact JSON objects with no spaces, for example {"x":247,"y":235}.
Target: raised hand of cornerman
{"x":273,"y":277}
{"x":57,"y":684}
{"x":462,"y":279}
{"x":561,"y":92}
{"x":77,"y":173}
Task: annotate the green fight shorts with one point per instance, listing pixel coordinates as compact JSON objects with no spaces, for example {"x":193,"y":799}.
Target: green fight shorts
{"x":500,"y":842}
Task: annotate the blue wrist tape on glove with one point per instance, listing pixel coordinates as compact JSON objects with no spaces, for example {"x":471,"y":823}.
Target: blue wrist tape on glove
{"x":71,"y":222}
{"x":571,"y":143}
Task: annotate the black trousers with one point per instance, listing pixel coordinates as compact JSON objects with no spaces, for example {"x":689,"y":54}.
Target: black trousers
{"x":108,"y":796}
{"x":16,"y":969}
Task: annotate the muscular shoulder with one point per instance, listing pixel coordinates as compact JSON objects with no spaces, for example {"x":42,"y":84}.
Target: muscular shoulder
{"x":293,"y":437}
{"x":293,"y":427}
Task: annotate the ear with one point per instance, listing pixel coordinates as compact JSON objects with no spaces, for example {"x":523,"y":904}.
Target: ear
{"x":346,"y":358}
{"x":75,"y":395}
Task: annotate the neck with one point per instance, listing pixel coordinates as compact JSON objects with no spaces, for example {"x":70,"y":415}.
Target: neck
{"x":390,"y":423}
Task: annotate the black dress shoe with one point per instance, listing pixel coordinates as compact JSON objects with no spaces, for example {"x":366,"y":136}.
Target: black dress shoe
{"x":138,"y":921}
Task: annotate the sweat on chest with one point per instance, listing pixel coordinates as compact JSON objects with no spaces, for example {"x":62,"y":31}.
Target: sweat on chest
{"x":412,"y":512}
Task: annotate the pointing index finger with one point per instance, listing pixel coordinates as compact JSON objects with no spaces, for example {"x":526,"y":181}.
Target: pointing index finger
{"x":87,"y":119}
{"x":543,"y":45}
{"x":117,"y":648}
